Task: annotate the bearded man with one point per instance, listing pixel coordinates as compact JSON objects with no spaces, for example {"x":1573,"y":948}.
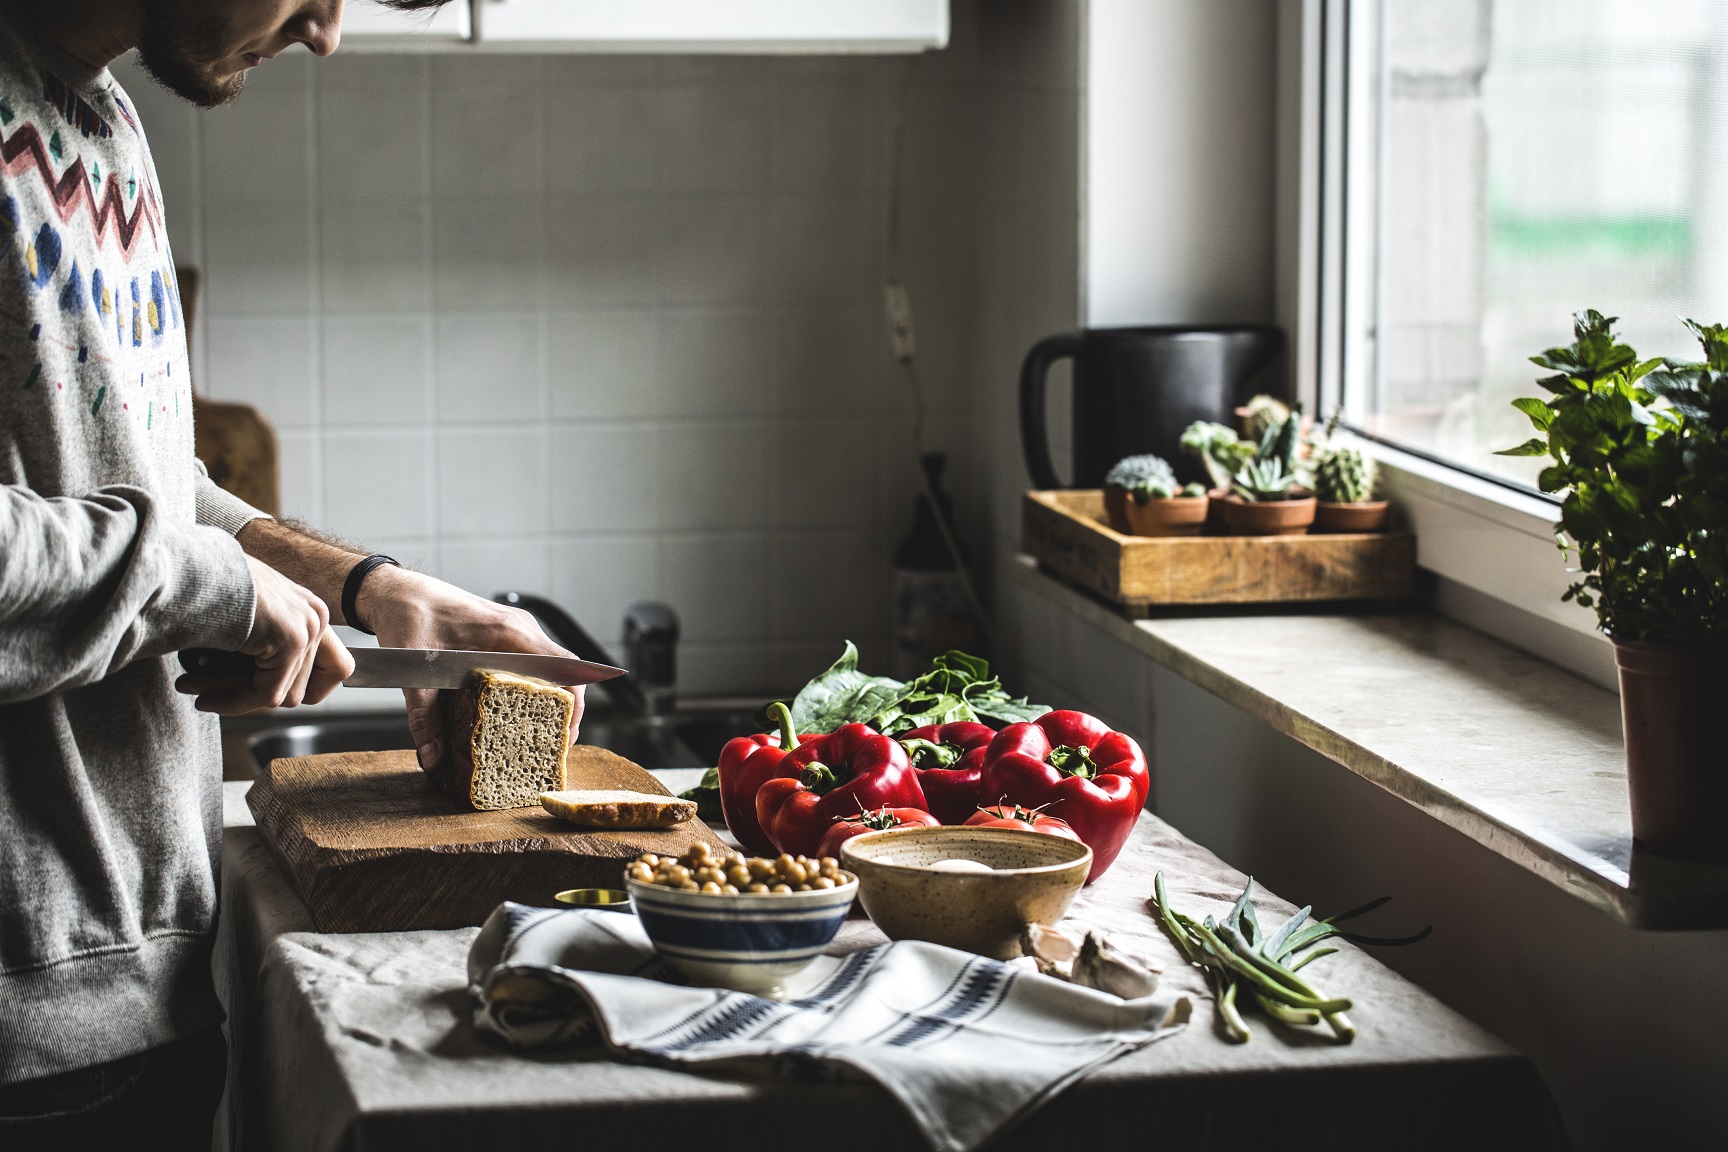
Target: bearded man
{"x":116,"y":552}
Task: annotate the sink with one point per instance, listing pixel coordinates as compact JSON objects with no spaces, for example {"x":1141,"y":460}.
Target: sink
{"x":689,"y":738}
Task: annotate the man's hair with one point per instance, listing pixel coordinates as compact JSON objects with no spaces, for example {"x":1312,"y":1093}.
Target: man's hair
{"x":414,"y":5}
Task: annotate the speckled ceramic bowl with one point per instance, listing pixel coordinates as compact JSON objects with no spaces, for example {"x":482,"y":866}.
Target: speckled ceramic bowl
{"x":748,"y":942}
{"x":1034,"y":878}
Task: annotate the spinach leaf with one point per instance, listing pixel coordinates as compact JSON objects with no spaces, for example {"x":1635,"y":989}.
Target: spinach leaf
{"x":707,"y":798}
{"x":843,"y":695}
{"x":958,"y":687}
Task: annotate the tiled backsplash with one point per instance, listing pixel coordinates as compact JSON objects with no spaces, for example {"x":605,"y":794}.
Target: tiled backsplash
{"x":604,"y":328}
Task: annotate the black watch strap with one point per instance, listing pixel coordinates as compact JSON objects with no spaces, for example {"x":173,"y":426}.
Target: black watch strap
{"x":351,"y":588}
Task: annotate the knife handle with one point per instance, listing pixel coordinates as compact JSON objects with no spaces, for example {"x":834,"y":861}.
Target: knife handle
{"x":218,"y":665}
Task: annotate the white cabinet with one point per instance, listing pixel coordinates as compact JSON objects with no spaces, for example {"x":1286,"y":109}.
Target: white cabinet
{"x":808,"y":27}
{"x":368,"y":26}
{"x":738,"y":26}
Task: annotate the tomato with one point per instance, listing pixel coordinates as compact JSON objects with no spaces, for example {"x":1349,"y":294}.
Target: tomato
{"x":879,"y":820}
{"x":1025,"y":819}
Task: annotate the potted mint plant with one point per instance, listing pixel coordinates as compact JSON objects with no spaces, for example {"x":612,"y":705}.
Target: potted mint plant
{"x":1142,"y":498}
{"x":1640,"y":448}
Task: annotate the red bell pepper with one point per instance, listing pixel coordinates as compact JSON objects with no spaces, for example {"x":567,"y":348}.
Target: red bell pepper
{"x":851,"y":770}
{"x":880,"y":820}
{"x":745,"y":764}
{"x":1023,"y":819}
{"x":1077,"y":769}
{"x":949,"y":759}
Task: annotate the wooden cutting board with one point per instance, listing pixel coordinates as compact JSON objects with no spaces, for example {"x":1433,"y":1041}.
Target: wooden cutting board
{"x":371,"y":847}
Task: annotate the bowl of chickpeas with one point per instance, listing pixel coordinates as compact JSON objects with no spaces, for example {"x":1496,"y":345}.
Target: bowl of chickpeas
{"x":727,"y":920}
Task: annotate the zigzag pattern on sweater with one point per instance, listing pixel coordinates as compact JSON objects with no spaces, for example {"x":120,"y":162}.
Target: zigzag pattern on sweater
{"x":24,"y":150}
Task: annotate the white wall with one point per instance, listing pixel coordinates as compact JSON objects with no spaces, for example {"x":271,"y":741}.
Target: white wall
{"x":1179,"y":159}
{"x":1028,"y":248}
{"x":602,"y":328}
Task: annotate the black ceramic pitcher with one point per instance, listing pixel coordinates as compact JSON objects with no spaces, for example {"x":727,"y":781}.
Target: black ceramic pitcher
{"x":1136,"y":389}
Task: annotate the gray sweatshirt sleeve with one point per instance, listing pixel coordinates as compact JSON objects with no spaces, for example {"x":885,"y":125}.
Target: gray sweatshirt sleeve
{"x":89,"y":585}
{"x":219,"y":508}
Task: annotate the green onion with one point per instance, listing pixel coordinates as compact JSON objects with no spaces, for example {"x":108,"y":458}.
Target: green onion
{"x":1246,"y":967}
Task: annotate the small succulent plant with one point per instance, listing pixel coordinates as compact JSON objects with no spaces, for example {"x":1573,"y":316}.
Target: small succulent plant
{"x":1263,"y":480}
{"x":1149,"y":477}
{"x":1218,"y":449}
{"x":1262,"y":413}
{"x":1344,"y":476}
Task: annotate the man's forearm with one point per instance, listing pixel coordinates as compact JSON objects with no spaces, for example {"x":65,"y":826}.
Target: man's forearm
{"x":313,"y":561}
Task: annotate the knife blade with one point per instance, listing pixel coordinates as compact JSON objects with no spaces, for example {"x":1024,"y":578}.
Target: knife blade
{"x":419,"y":667}
{"x":450,"y":668}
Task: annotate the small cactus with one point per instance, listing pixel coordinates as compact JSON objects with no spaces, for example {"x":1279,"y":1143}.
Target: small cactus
{"x":1344,"y":476}
{"x":1263,"y":480}
{"x":1261,"y":413}
{"x":1146,"y":477}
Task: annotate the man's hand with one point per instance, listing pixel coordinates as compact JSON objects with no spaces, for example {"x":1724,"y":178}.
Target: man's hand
{"x":412,"y":610}
{"x":297,"y":659}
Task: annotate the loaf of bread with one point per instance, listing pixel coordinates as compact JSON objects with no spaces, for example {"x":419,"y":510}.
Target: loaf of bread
{"x":615,"y":809}
{"x":506,"y":737}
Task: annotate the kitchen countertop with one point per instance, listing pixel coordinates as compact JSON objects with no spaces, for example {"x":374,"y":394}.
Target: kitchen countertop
{"x":365,"y":1041}
{"x":1520,"y":756}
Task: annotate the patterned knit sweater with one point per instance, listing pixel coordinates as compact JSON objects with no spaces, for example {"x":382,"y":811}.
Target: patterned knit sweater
{"x":115,"y":552}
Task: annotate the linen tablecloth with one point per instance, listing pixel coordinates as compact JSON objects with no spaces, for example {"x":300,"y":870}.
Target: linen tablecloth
{"x":365,"y":1042}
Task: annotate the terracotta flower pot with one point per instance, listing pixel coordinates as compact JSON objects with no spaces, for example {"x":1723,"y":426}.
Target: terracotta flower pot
{"x":1676,"y":757}
{"x":1172,"y":516}
{"x":1267,"y":517}
{"x":1366,"y":516}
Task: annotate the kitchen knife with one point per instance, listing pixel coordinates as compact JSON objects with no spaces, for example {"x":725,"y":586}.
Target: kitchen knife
{"x":418,"y":667}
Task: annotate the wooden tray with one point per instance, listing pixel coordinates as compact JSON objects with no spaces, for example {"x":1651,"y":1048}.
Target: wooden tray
{"x":1066,"y":532}
{"x":371,"y":847}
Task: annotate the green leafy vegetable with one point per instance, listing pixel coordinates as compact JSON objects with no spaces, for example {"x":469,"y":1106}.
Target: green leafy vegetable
{"x":1640,"y":448}
{"x":958,"y":687}
{"x":707,"y":797}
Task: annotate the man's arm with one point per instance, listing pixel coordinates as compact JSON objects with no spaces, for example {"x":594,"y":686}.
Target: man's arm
{"x":89,"y":585}
{"x":407,"y":609}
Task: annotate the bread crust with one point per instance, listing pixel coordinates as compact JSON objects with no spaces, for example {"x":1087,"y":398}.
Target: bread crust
{"x":612,"y":809}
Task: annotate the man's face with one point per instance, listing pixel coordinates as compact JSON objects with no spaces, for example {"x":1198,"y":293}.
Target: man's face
{"x":202,"y":49}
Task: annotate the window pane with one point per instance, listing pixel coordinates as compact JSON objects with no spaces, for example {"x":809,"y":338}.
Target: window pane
{"x":1540,"y":156}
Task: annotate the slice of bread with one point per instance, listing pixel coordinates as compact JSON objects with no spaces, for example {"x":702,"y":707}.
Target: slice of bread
{"x":506,"y":737}
{"x":614,"y":809}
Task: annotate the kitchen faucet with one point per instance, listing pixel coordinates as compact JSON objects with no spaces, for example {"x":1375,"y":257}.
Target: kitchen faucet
{"x":651,"y":636}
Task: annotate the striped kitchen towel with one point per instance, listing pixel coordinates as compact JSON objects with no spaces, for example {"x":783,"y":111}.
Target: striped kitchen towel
{"x":966,"y":1044}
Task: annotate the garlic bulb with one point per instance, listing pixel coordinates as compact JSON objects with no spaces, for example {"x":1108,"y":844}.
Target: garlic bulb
{"x":1052,"y":948}
{"x":1102,"y":965}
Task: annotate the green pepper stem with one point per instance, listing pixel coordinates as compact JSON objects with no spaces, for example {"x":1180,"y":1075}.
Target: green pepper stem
{"x":1072,"y":760}
{"x":788,"y":733}
{"x":927,"y":754}
{"x":818,"y":777}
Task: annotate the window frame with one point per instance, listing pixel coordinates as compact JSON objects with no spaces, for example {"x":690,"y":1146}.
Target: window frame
{"x":1488,"y":535}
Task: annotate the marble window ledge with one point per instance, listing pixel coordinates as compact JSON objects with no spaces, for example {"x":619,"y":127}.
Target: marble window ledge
{"x":1514,"y":753}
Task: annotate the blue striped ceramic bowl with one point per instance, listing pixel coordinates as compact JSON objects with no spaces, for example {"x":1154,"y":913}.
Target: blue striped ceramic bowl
{"x":750,"y":943}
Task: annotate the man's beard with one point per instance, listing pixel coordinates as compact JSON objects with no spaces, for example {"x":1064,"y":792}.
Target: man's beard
{"x":180,"y":46}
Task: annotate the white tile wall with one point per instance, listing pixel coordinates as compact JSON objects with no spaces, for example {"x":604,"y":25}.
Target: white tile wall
{"x":606,"y":329}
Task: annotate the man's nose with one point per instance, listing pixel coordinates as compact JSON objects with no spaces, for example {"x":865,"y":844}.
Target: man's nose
{"x":318,"y":26}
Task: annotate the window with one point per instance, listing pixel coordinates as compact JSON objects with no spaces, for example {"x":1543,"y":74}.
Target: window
{"x":1503,"y":163}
